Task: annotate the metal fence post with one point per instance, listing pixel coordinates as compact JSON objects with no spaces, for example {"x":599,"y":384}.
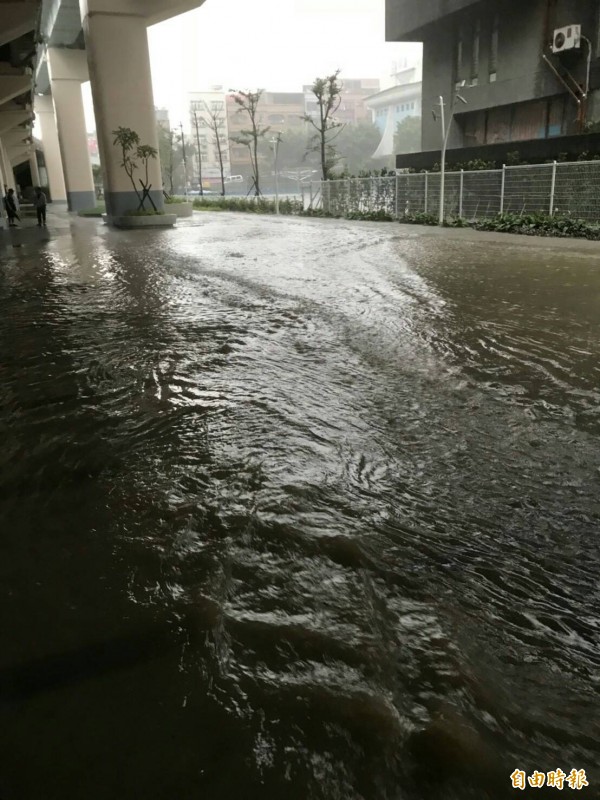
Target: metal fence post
{"x":503,"y":187}
{"x":553,"y":189}
{"x":460,"y":198}
{"x":396,"y":196}
{"x":426,"y":203}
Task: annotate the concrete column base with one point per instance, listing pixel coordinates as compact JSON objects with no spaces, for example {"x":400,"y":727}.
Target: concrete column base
{"x":81,"y":201}
{"x":119,"y":203}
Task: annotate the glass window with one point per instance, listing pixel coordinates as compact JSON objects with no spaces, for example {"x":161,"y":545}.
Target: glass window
{"x":494,"y":44}
{"x":475,"y":52}
{"x":458,"y":56}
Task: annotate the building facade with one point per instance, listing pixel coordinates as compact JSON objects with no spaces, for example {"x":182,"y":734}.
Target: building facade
{"x":353,"y":108}
{"x":280,"y":111}
{"x":500,"y":55}
{"x":395,"y":104}
{"x":209,"y":131}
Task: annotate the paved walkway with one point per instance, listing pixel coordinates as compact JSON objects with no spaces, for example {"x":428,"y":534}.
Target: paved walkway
{"x":28,"y":232}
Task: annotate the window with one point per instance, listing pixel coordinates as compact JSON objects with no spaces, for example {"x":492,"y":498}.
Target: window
{"x":475,"y":54}
{"x":494,"y":44}
{"x":412,"y":105}
{"x":458,"y":57}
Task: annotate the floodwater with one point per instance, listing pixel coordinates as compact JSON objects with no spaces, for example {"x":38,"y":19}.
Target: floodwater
{"x":297,"y":509}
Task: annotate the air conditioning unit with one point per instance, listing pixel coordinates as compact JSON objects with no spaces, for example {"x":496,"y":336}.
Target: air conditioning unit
{"x":568,"y":38}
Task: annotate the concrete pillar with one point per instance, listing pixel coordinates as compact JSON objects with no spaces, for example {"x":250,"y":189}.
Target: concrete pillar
{"x":35,"y":172}
{"x":44,"y":110}
{"x":3,"y":218}
{"x":7,"y":170}
{"x":68,"y":70}
{"x":119,"y":66}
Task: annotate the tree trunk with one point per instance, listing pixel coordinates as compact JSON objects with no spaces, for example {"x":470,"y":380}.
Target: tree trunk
{"x":219,"y":151}
{"x":323,"y":131}
{"x":256,"y":186}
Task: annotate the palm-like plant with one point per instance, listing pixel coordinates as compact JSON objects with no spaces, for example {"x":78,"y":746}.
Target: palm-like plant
{"x":132,"y":152}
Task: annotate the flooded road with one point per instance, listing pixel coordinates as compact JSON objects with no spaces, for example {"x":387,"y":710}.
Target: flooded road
{"x":299,"y":509}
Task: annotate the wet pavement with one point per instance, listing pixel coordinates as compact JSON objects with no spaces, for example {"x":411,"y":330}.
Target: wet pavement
{"x":297,"y":508}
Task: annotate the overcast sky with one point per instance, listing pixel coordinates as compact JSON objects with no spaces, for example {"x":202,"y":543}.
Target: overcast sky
{"x":271,"y":44}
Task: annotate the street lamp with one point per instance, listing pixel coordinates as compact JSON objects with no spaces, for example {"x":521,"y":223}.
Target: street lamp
{"x":199,"y":153}
{"x":185,"y":170}
{"x":275,"y":142}
{"x":445,"y":138}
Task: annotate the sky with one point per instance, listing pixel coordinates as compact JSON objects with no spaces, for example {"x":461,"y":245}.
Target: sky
{"x":277,"y":45}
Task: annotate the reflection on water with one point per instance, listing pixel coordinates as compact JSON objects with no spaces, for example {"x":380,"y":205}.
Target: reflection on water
{"x":296,"y":508}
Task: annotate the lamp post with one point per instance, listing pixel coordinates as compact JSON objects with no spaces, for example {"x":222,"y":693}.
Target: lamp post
{"x":275,"y":141}
{"x":445,"y":138}
{"x":199,"y":154}
{"x":185,"y":170}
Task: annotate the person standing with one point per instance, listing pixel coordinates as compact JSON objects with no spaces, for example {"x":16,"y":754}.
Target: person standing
{"x":39,"y":201}
{"x":11,"y":208}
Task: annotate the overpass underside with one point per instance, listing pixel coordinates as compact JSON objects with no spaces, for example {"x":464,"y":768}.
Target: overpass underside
{"x":48,"y":48}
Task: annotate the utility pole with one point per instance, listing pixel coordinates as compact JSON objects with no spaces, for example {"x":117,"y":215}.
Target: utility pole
{"x":185,"y":172}
{"x":445,"y":137}
{"x":199,"y":153}
{"x":275,"y":141}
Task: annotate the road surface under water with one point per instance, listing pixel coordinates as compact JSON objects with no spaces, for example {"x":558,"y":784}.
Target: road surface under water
{"x":297,"y":509}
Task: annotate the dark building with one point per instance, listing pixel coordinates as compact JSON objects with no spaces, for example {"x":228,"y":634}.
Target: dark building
{"x":521,"y":65}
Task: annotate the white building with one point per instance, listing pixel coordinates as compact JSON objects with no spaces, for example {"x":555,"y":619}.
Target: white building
{"x":206,"y":108}
{"x":393,"y":105}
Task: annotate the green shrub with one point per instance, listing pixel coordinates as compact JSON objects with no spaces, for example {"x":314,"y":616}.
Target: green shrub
{"x":314,"y":212}
{"x":370,"y":216}
{"x":539,"y":225}
{"x":92,"y":212}
{"x":419,"y":218}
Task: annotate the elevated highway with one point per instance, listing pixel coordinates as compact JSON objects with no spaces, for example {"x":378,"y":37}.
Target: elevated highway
{"x":48,"y":48}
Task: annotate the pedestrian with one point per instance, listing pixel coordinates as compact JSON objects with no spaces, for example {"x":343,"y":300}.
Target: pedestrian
{"x":39,"y":201}
{"x":11,"y":208}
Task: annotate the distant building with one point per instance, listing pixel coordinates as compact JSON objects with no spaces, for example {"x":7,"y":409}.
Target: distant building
{"x":162,"y":118}
{"x":394,"y":105}
{"x":521,"y":65}
{"x":352,"y":108}
{"x":281,"y":111}
{"x":93,"y":149}
{"x":203,"y":107}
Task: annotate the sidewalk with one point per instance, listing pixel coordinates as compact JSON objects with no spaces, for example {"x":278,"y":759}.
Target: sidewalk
{"x":27,"y":231}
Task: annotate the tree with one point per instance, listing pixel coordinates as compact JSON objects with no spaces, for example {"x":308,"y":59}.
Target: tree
{"x":407,"y":137}
{"x":248,"y":103}
{"x":132,"y":152}
{"x":356,"y":145}
{"x":166,"y":148}
{"x":216,"y":122}
{"x":199,"y":149}
{"x":295,"y":152}
{"x":98,"y":179}
{"x":328,"y":92}
{"x":170,"y":148}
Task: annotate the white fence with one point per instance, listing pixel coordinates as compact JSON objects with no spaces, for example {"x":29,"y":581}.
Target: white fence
{"x":558,"y":189}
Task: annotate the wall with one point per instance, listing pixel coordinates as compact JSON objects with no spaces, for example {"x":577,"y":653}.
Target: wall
{"x":524,"y":33}
{"x":404,"y":17}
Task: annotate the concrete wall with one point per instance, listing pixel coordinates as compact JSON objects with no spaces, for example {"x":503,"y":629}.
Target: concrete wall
{"x":525,"y":30}
{"x":404,"y":18}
